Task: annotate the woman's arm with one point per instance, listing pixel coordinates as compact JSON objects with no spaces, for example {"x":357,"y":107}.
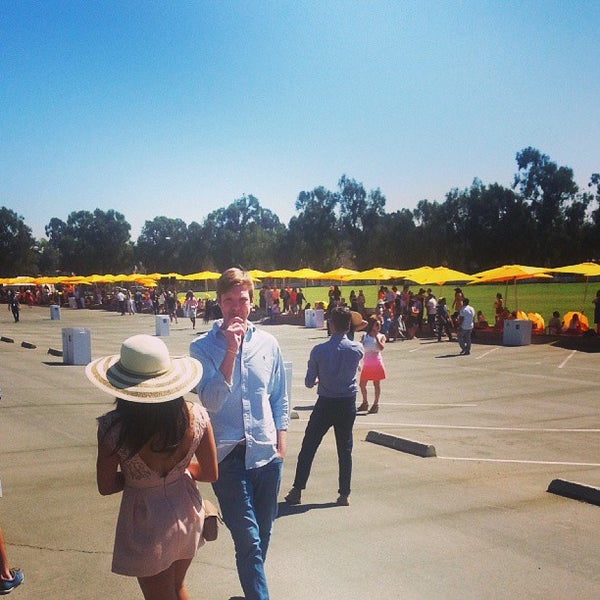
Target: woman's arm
{"x":206,"y":468}
{"x":108,"y":477}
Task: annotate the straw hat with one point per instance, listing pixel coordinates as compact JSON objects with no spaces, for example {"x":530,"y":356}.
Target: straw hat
{"x":144,"y":372}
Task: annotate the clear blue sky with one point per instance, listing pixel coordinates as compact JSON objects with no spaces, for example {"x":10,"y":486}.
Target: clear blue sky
{"x":178,"y":108}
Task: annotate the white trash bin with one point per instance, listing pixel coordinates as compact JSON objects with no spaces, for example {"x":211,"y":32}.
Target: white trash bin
{"x":517,"y":332}
{"x":77,"y":346}
{"x":309,"y":318}
{"x":162,"y":325}
{"x":319,"y":317}
{"x":54,"y":312}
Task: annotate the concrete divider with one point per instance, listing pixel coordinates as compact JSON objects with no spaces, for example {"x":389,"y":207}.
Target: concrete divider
{"x":28,"y":345}
{"x":55,"y":352}
{"x":401,"y":444}
{"x":575,"y":491}
{"x":7,"y":340}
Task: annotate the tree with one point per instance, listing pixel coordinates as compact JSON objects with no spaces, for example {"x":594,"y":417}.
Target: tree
{"x":162,"y":246}
{"x":88,"y":242}
{"x":359,"y":214}
{"x":246,"y":234}
{"x":547,"y":187}
{"x":17,"y":246}
{"x":314,"y":237}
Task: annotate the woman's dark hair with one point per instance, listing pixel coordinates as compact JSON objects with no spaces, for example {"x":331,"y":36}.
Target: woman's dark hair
{"x":162,"y":425}
{"x":372,"y":322}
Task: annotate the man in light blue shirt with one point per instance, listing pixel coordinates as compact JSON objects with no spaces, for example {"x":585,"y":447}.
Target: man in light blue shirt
{"x":333,"y":365}
{"x":243,"y":389}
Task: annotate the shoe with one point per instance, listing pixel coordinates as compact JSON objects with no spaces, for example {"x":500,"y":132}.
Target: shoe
{"x":364,"y":407}
{"x":8,"y":585}
{"x":374,"y":409}
{"x":294,"y":496}
{"x":342,"y":500}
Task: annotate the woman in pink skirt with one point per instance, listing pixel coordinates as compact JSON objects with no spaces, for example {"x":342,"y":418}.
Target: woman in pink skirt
{"x":373,"y":368}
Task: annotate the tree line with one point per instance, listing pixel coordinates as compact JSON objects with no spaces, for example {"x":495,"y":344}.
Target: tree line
{"x":544,"y":219}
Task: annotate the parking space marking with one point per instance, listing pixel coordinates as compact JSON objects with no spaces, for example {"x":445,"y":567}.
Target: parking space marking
{"x":486,"y":353}
{"x":476,"y":427}
{"x":569,"y":357}
{"x":524,"y":462}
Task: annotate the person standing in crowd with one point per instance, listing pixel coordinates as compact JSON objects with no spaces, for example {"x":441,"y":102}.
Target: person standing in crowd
{"x":243,"y":388}
{"x":121,"y":299}
{"x":442,"y":320}
{"x":373,"y":368}
{"x":333,"y":365}
{"x":498,"y":308}
{"x":431,"y":304}
{"x":596,"y":303}
{"x":171,"y":304}
{"x":466,"y":319}
{"x":145,"y":450}
{"x":190,"y":306}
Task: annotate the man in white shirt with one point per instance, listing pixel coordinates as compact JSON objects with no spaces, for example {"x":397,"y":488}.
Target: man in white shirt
{"x":466,"y":319}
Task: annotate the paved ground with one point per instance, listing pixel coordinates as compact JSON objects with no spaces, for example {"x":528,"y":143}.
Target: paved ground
{"x":475,"y":522}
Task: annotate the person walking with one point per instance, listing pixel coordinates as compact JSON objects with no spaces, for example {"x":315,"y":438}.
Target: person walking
{"x":243,"y":388}
{"x":14,"y":305}
{"x":145,"y":450}
{"x":333,"y":366}
{"x":373,"y":368}
{"x":466,"y":320}
{"x":190,"y":306}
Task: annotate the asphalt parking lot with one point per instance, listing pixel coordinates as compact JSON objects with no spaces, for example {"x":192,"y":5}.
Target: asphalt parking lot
{"x":475,"y":521}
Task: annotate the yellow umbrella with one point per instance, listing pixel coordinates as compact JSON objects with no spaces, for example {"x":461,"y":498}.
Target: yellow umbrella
{"x":587,"y":269}
{"x":257,"y":274}
{"x":419,"y":275}
{"x":375,"y":274}
{"x":339,"y":274}
{"x":202,"y":276}
{"x":512,"y":273}
{"x":279,"y":274}
{"x":306,"y":273}
{"x":438,"y":276}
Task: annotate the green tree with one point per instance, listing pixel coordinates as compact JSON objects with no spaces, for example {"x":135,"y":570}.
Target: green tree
{"x":244,"y":233}
{"x":313,"y":235}
{"x":162,"y":244}
{"x":88,"y":242}
{"x":18,"y":254}
{"x":548,"y":188}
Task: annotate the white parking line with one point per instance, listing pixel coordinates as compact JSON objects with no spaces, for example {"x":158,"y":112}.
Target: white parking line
{"x":564,"y":362}
{"x":371,"y":422}
{"x":486,"y":353}
{"x":524,"y":462}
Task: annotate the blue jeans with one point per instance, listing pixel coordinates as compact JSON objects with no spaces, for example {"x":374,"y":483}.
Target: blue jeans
{"x":464,"y":339}
{"x":340,"y":414}
{"x":248,"y":502}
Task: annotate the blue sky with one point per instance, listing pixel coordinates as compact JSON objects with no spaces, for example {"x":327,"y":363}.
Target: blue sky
{"x":178,"y":108}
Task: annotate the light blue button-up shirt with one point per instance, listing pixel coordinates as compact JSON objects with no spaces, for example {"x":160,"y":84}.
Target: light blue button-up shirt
{"x":255,"y":405}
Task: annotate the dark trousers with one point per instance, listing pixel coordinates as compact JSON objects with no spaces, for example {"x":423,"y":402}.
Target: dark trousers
{"x":340,"y":414}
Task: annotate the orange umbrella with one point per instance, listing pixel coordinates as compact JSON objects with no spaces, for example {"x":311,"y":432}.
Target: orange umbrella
{"x":583,"y":320}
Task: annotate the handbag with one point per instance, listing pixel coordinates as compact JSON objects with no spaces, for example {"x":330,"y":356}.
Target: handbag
{"x":212,"y":518}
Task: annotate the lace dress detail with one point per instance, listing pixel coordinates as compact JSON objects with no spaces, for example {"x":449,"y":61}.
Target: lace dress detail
{"x":160,"y":518}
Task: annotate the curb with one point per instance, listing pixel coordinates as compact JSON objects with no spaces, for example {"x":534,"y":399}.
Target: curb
{"x":55,"y":352}
{"x":7,"y":339}
{"x":28,"y":345}
{"x":575,"y":491}
{"x":401,"y":444}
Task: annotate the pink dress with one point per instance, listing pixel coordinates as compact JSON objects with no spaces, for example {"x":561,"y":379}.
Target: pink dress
{"x":373,"y":368}
{"x":161,"y":518}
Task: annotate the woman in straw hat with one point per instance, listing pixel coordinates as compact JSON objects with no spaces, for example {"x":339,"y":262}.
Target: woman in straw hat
{"x":145,"y":450}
